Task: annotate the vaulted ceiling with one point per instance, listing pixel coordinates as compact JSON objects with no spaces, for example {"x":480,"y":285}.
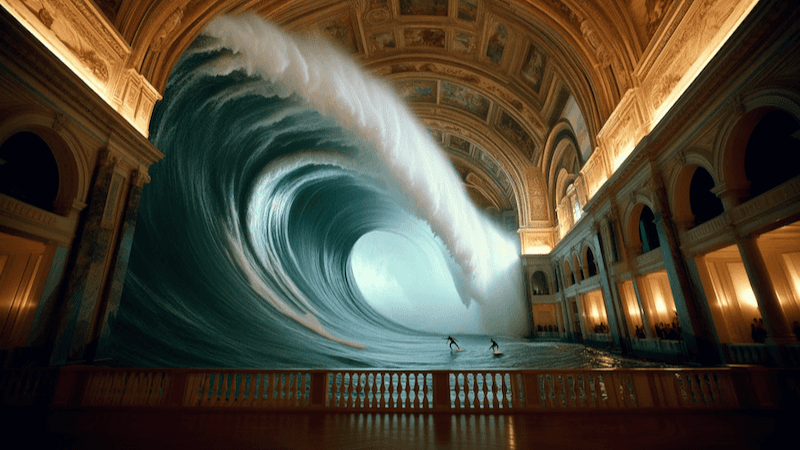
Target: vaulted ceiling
{"x":514,"y":90}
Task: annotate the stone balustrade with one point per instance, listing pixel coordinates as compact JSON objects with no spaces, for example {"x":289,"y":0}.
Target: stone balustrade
{"x":475,"y":391}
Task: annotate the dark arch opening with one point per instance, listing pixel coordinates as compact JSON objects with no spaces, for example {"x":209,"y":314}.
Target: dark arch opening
{"x":705,"y":205}
{"x":647,"y":230}
{"x":591,"y":266}
{"x":28,"y":170}
{"x":539,"y":283}
{"x":772,"y":152}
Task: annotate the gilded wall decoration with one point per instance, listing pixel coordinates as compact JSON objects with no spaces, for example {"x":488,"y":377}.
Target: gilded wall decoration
{"x":464,"y":98}
{"x":536,"y":196}
{"x":654,"y":14}
{"x":691,"y":41}
{"x":424,"y":37}
{"x":594,"y":41}
{"x":468,"y":10}
{"x":167,"y":28}
{"x":568,"y":13}
{"x":383,"y":41}
{"x":465,"y":43}
{"x":418,"y":90}
{"x":533,"y":68}
{"x":85,"y":43}
{"x":497,"y":43}
{"x":459,"y":144}
{"x":423,"y":7}
{"x":509,"y":128}
{"x":340,"y":32}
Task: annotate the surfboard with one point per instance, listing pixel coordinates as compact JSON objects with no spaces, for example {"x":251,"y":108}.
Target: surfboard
{"x":458,"y":350}
{"x":497,"y":353}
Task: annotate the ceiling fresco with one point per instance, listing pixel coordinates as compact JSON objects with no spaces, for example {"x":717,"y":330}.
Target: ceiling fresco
{"x":513,"y":78}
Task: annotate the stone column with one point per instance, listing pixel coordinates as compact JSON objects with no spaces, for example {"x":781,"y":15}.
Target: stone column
{"x":611,"y":309}
{"x":700,"y":341}
{"x":581,"y":321}
{"x":778,"y":329}
{"x":90,"y":251}
{"x":649,"y":331}
{"x":119,"y":266}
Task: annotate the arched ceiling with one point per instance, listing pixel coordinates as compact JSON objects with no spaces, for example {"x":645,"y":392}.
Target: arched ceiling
{"x":493,"y":80}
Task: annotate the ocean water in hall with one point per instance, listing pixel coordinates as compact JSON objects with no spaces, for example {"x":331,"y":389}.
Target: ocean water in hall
{"x":303,"y":218}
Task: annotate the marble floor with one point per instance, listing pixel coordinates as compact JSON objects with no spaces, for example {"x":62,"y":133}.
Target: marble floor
{"x":118,"y":429}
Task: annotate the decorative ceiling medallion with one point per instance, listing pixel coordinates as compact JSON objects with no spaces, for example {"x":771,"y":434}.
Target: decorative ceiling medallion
{"x":378,"y":16}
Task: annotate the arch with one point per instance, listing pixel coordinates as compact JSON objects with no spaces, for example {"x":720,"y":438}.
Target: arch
{"x":569,"y":274}
{"x":730,"y":148}
{"x":703,"y":203}
{"x":648,"y":235}
{"x":74,"y":174}
{"x":770,"y":152}
{"x":680,"y":184}
{"x":579,"y":275}
{"x":28,"y":170}
{"x":589,"y":261}
{"x":539,"y":283}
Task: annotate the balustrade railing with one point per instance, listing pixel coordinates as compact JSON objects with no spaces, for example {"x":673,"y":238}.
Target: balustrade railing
{"x":474,"y":391}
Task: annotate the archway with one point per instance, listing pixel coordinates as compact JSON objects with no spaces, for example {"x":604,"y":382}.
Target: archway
{"x":29,"y":171}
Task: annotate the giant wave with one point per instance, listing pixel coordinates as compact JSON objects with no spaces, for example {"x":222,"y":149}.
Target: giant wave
{"x":302,"y":217}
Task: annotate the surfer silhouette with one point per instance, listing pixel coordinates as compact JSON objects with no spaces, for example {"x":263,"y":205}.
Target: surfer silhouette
{"x":494,"y":345}
{"x":452,"y":341}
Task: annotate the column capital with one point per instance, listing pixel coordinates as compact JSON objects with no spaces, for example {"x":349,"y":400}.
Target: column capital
{"x":733,"y":196}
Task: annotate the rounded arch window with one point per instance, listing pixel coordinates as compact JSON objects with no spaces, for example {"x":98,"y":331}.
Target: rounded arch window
{"x":591,"y":266}
{"x":647,"y":230}
{"x":28,"y":170}
{"x":705,"y":204}
{"x":772,"y":150}
{"x":539,"y":283}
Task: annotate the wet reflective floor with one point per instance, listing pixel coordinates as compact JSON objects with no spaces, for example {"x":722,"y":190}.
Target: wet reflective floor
{"x":70,"y":429}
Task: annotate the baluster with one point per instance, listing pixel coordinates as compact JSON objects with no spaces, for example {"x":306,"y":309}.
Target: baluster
{"x":130,"y":383}
{"x":403,"y":383}
{"x":509,"y":384}
{"x":421,"y":390}
{"x":303,"y":395}
{"x":386,"y":394}
{"x":378,"y":390}
{"x":469,"y":379}
{"x":370,"y":390}
{"x":289,"y":392}
{"x":702,"y":380}
{"x":481,"y":390}
{"x":498,"y":389}
{"x":147,"y":393}
{"x":263,"y":388}
{"x":194,"y":395}
{"x":268,"y":384}
{"x":355,"y":396}
{"x":239,"y":395}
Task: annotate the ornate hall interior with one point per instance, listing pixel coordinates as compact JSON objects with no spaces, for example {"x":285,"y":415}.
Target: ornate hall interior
{"x":640,"y":151}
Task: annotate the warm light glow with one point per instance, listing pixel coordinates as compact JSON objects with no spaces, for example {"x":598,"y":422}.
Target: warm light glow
{"x":741,"y":285}
{"x":792,"y":261}
{"x":710,"y":51}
